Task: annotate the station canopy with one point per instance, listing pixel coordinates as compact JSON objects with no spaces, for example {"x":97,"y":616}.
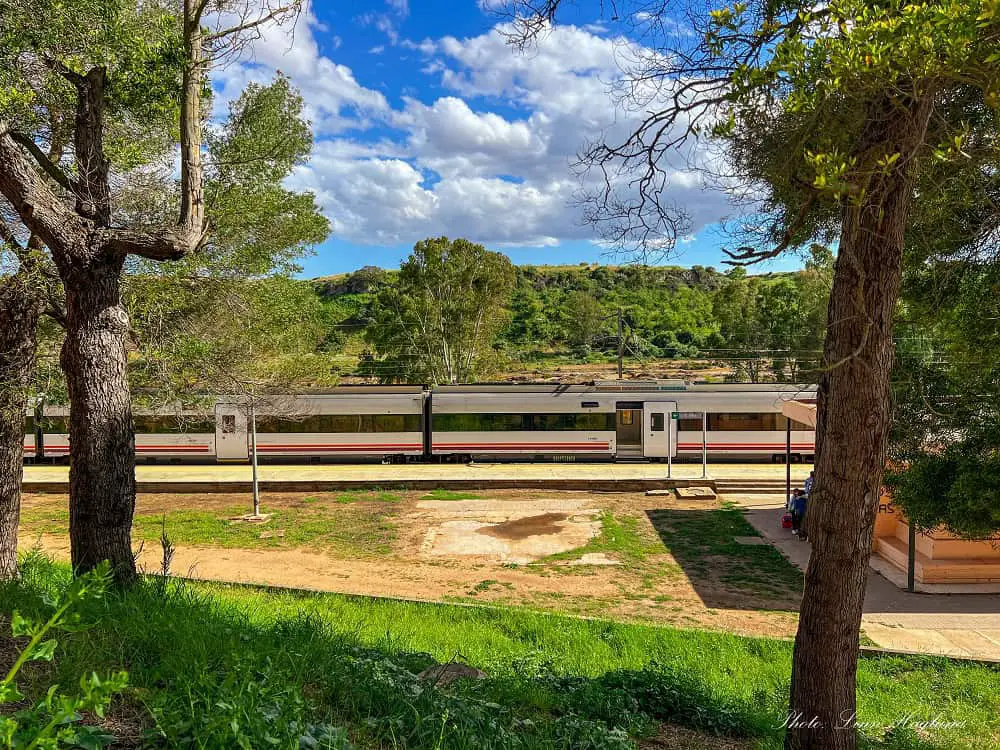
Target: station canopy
{"x":800,"y":411}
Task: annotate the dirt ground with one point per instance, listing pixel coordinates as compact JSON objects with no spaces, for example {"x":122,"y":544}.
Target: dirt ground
{"x":592,"y":554}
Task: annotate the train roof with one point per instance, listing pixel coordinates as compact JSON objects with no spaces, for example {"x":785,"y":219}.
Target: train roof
{"x":628,"y":386}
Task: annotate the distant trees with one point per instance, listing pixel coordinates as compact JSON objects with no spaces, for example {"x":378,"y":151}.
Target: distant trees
{"x":438,"y":320}
{"x":774,"y":328}
{"x":584,"y":319}
{"x":766,"y":327}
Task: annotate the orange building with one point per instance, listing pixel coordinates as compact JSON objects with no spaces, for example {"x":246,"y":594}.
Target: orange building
{"x":939,"y":558}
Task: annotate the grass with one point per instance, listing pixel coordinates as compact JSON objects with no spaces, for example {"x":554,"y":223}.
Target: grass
{"x":701,"y":545}
{"x":440,"y":494}
{"x":620,"y":537}
{"x":364,"y":527}
{"x":198,"y":652}
{"x":700,"y":539}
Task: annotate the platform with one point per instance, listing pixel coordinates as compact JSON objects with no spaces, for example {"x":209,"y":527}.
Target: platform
{"x":631,"y":477}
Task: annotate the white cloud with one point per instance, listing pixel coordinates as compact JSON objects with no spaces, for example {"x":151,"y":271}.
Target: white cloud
{"x":334,"y":99}
{"x":490,"y":160}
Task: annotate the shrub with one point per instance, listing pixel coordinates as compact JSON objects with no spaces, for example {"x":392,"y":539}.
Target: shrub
{"x":54,"y":721}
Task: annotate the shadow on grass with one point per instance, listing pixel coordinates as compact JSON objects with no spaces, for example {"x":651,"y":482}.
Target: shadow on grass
{"x":722,"y":571}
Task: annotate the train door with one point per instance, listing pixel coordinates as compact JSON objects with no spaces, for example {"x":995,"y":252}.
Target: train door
{"x":660,"y":429}
{"x":628,"y":428}
{"x":231,"y":443}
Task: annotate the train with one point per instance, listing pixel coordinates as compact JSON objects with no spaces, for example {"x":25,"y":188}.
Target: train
{"x":601,"y":420}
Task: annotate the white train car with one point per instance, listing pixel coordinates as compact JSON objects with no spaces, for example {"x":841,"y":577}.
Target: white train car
{"x":608,"y":419}
{"x":29,"y":435}
{"x":742,"y":421}
{"x":634,"y":419}
{"x":168,"y":434}
{"x":468,"y":420}
{"x":358,"y":421}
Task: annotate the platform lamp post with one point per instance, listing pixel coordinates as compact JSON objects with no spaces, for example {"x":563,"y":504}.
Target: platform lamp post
{"x":704,"y":445}
{"x":788,"y":458}
{"x":670,"y":429}
{"x":253,"y":459}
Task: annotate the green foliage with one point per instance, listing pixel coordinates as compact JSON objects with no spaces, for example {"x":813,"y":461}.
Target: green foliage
{"x":258,"y":226}
{"x":584,"y":319}
{"x":228,"y":317}
{"x":957,"y":486}
{"x":777,"y":324}
{"x":249,"y":706}
{"x":141,"y":47}
{"x":946,"y":389}
{"x":553,"y":682}
{"x":808,"y":92}
{"x":54,"y":721}
{"x":437,"y":321}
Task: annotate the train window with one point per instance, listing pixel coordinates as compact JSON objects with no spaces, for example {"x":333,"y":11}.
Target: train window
{"x":751,"y":421}
{"x":171,"y":424}
{"x":523,"y":422}
{"x":228,"y":424}
{"x":342,"y":423}
{"x":626,"y":416}
{"x":656,"y":422}
{"x":29,"y":425}
{"x":55,"y":425}
{"x":691,"y":424}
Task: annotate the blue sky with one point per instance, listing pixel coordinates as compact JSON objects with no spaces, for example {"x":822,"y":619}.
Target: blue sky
{"x":427,"y":123}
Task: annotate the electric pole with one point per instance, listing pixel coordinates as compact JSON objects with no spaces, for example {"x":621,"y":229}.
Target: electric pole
{"x":621,"y":343}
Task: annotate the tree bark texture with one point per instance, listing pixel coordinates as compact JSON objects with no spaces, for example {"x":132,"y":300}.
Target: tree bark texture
{"x":853,"y":417}
{"x":102,"y":456}
{"x":20,"y":307}
{"x":192,"y":212}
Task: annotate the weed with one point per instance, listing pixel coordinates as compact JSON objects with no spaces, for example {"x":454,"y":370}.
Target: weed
{"x":440,"y":494}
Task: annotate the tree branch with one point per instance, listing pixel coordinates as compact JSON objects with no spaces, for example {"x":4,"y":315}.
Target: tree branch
{"x":51,"y":169}
{"x":40,"y":210}
{"x":251,"y":25}
{"x":59,"y":67}
{"x":170,"y":243}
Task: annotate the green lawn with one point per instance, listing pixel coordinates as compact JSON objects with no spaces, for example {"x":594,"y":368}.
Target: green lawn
{"x":215,"y":661}
{"x":351,"y":523}
{"x":701,"y":539}
{"x":440,"y":494}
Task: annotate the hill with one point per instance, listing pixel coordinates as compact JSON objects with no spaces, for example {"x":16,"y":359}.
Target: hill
{"x":563,"y":321}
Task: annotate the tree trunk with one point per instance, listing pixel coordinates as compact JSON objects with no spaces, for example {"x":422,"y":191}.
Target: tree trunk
{"x":102,"y":456}
{"x":853,"y":419}
{"x":19,"y":312}
{"x":192,"y":212}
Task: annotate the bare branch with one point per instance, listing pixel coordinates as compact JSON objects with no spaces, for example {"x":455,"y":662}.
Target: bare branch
{"x":240,"y":28}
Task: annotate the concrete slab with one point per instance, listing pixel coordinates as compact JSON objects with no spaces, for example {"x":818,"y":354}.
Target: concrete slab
{"x":518,"y":532}
{"x":750,"y":541}
{"x":594,"y":558}
{"x":696,"y":493}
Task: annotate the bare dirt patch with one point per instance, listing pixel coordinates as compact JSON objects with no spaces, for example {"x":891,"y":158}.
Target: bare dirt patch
{"x":595,"y":554}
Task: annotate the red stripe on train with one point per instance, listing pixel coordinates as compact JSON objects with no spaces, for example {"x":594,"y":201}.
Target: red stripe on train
{"x":582,"y":446}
